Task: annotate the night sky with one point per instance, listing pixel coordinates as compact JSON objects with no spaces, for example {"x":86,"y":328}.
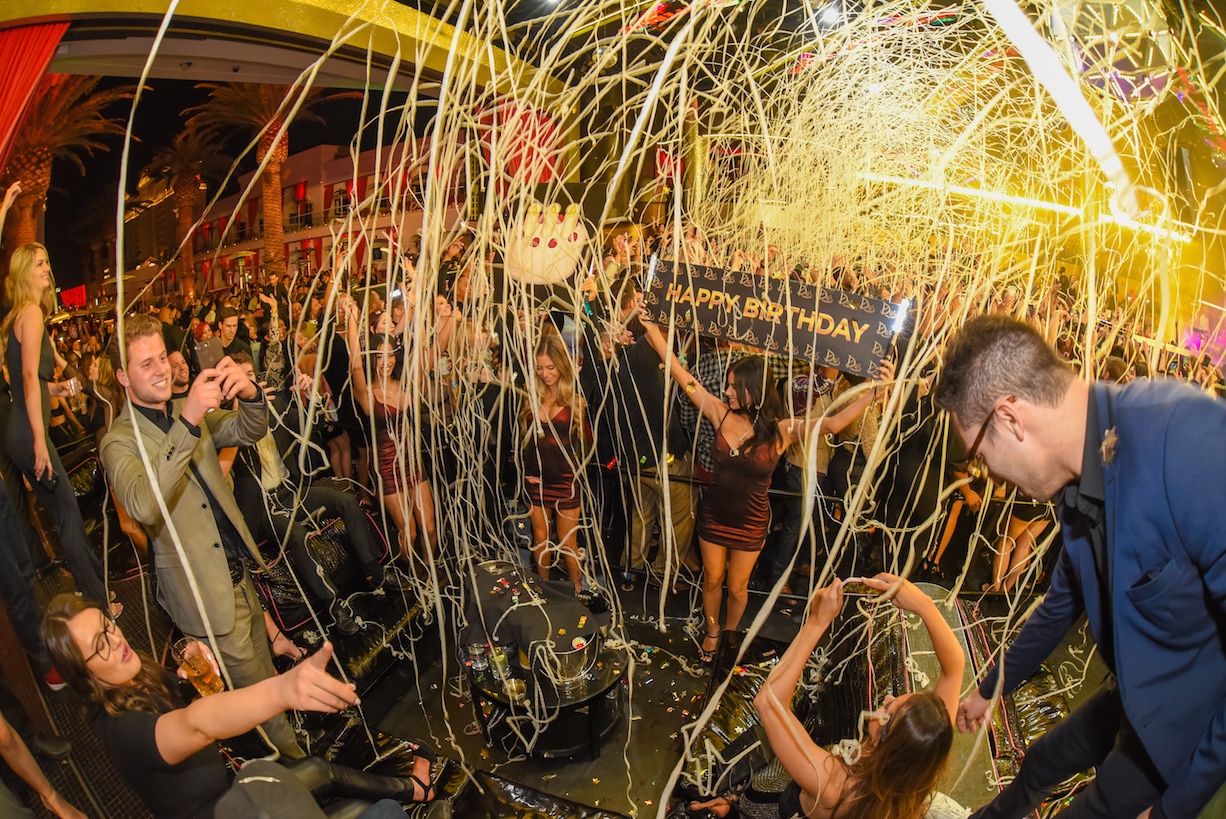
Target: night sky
{"x":158,"y":119}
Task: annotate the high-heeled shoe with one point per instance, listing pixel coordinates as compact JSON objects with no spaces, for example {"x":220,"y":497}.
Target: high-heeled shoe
{"x":707,"y":656}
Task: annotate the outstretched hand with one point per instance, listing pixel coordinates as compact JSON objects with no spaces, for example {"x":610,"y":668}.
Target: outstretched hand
{"x":309,"y":687}
{"x":56,"y":803}
{"x":825,"y":604}
{"x":902,"y":593}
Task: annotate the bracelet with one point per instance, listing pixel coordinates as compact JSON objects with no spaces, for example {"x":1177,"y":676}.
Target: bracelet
{"x":691,"y":387}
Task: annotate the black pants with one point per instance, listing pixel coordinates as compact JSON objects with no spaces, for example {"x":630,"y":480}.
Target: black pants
{"x":17,"y":585}
{"x":17,"y":491}
{"x":323,"y":780}
{"x":332,"y":503}
{"x":86,"y":568}
{"x":1096,"y":735}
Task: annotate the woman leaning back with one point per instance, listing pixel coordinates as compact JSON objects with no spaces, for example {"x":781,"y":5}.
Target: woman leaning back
{"x":167,"y":753}
{"x":901,"y":759}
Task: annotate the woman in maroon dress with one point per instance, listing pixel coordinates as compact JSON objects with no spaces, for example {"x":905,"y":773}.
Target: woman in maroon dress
{"x":555,"y":430}
{"x":751,"y":433}
{"x":407,"y":497}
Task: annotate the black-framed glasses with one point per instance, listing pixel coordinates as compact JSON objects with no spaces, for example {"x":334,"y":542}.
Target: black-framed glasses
{"x":103,"y":651}
{"x":976,"y":466}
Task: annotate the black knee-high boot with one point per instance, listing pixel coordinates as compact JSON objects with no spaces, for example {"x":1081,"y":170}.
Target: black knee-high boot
{"x":326,"y":779}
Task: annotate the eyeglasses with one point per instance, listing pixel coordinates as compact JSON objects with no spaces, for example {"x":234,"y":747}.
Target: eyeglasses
{"x":104,"y":648}
{"x":976,"y":466}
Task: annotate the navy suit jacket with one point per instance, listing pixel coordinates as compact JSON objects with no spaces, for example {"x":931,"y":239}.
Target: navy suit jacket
{"x":1165,"y":507}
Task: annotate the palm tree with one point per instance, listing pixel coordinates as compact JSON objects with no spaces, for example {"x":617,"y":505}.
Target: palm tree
{"x":254,"y":106}
{"x":65,"y":118}
{"x":193,"y":156}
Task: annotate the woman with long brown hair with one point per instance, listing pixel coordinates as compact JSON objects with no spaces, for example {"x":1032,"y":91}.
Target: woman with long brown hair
{"x":554,"y":429}
{"x":895,"y":773}
{"x":167,"y":753}
{"x":407,"y":496}
{"x":751,"y":433}
{"x":31,"y":364}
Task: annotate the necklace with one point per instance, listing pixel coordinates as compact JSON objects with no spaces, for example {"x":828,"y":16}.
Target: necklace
{"x":734,"y":451}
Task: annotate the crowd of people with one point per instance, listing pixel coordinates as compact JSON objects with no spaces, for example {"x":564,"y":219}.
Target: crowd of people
{"x":613,"y":442}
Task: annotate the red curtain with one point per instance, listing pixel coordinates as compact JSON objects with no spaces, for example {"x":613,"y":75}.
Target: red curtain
{"x":25,"y":53}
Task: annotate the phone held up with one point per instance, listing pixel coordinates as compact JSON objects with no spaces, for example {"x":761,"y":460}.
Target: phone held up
{"x":209,"y":352}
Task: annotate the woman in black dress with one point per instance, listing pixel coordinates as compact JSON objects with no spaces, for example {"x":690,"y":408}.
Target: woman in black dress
{"x":168,"y":754}
{"x":751,"y":433}
{"x":31,"y":363}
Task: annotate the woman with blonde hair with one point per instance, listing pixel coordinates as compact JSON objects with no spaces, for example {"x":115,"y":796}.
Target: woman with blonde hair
{"x":31,"y":364}
{"x":554,"y":431}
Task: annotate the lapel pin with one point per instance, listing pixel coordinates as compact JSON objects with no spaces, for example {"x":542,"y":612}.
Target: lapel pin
{"x":1110,"y":442}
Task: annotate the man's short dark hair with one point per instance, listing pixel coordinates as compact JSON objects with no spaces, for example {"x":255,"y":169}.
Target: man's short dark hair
{"x":140,"y":325}
{"x":225,"y":313}
{"x":994,"y":357}
{"x":240,"y":358}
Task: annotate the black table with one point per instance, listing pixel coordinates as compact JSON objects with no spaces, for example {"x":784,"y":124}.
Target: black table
{"x":506,"y":604}
{"x":575,"y":715}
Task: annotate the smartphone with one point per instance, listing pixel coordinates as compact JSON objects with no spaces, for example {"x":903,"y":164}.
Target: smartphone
{"x":858,"y":587}
{"x":49,"y":482}
{"x":209,"y":352}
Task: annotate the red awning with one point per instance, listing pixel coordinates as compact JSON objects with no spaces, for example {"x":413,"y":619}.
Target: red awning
{"x":25,"y":53}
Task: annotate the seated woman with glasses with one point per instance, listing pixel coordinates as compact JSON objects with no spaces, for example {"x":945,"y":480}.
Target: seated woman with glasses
{"x":907,"y":748}
{"x":167,"y":753}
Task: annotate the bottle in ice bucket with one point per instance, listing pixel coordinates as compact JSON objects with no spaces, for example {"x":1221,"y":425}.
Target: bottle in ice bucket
{"x":187,"y":653}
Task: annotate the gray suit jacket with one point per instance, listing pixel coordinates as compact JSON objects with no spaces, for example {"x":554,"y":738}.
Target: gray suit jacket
{"x":170,"y":455}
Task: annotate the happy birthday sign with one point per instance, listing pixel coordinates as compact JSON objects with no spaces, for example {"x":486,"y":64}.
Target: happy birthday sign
{"x":828,"y":328}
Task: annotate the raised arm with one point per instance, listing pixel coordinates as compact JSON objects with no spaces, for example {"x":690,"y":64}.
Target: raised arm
{"x":817,"y":772}
{"x":137,"y":488}
{"x":249,"y":423}
{"x":798,"y":429}
{"x":949,"y":652}
{"x":305,"y":687}
{"x":10,"y":196}
{"x":712,"y":408}
{"x":357,"y":367}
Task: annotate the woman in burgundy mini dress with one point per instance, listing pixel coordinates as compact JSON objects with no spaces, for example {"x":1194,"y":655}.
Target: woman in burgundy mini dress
{"x":751,"y":433}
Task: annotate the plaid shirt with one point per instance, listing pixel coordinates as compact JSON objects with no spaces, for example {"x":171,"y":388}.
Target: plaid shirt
{"x":711,"y":371}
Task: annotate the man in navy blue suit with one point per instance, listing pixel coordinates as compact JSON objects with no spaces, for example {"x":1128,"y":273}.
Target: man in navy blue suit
{"x":1140,"y":475}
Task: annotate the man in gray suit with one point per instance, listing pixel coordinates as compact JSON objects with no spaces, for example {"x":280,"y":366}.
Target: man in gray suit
{"x":181,"y":438}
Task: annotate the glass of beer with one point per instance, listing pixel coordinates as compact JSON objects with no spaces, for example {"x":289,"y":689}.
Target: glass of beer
{"x":189,"y":654}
